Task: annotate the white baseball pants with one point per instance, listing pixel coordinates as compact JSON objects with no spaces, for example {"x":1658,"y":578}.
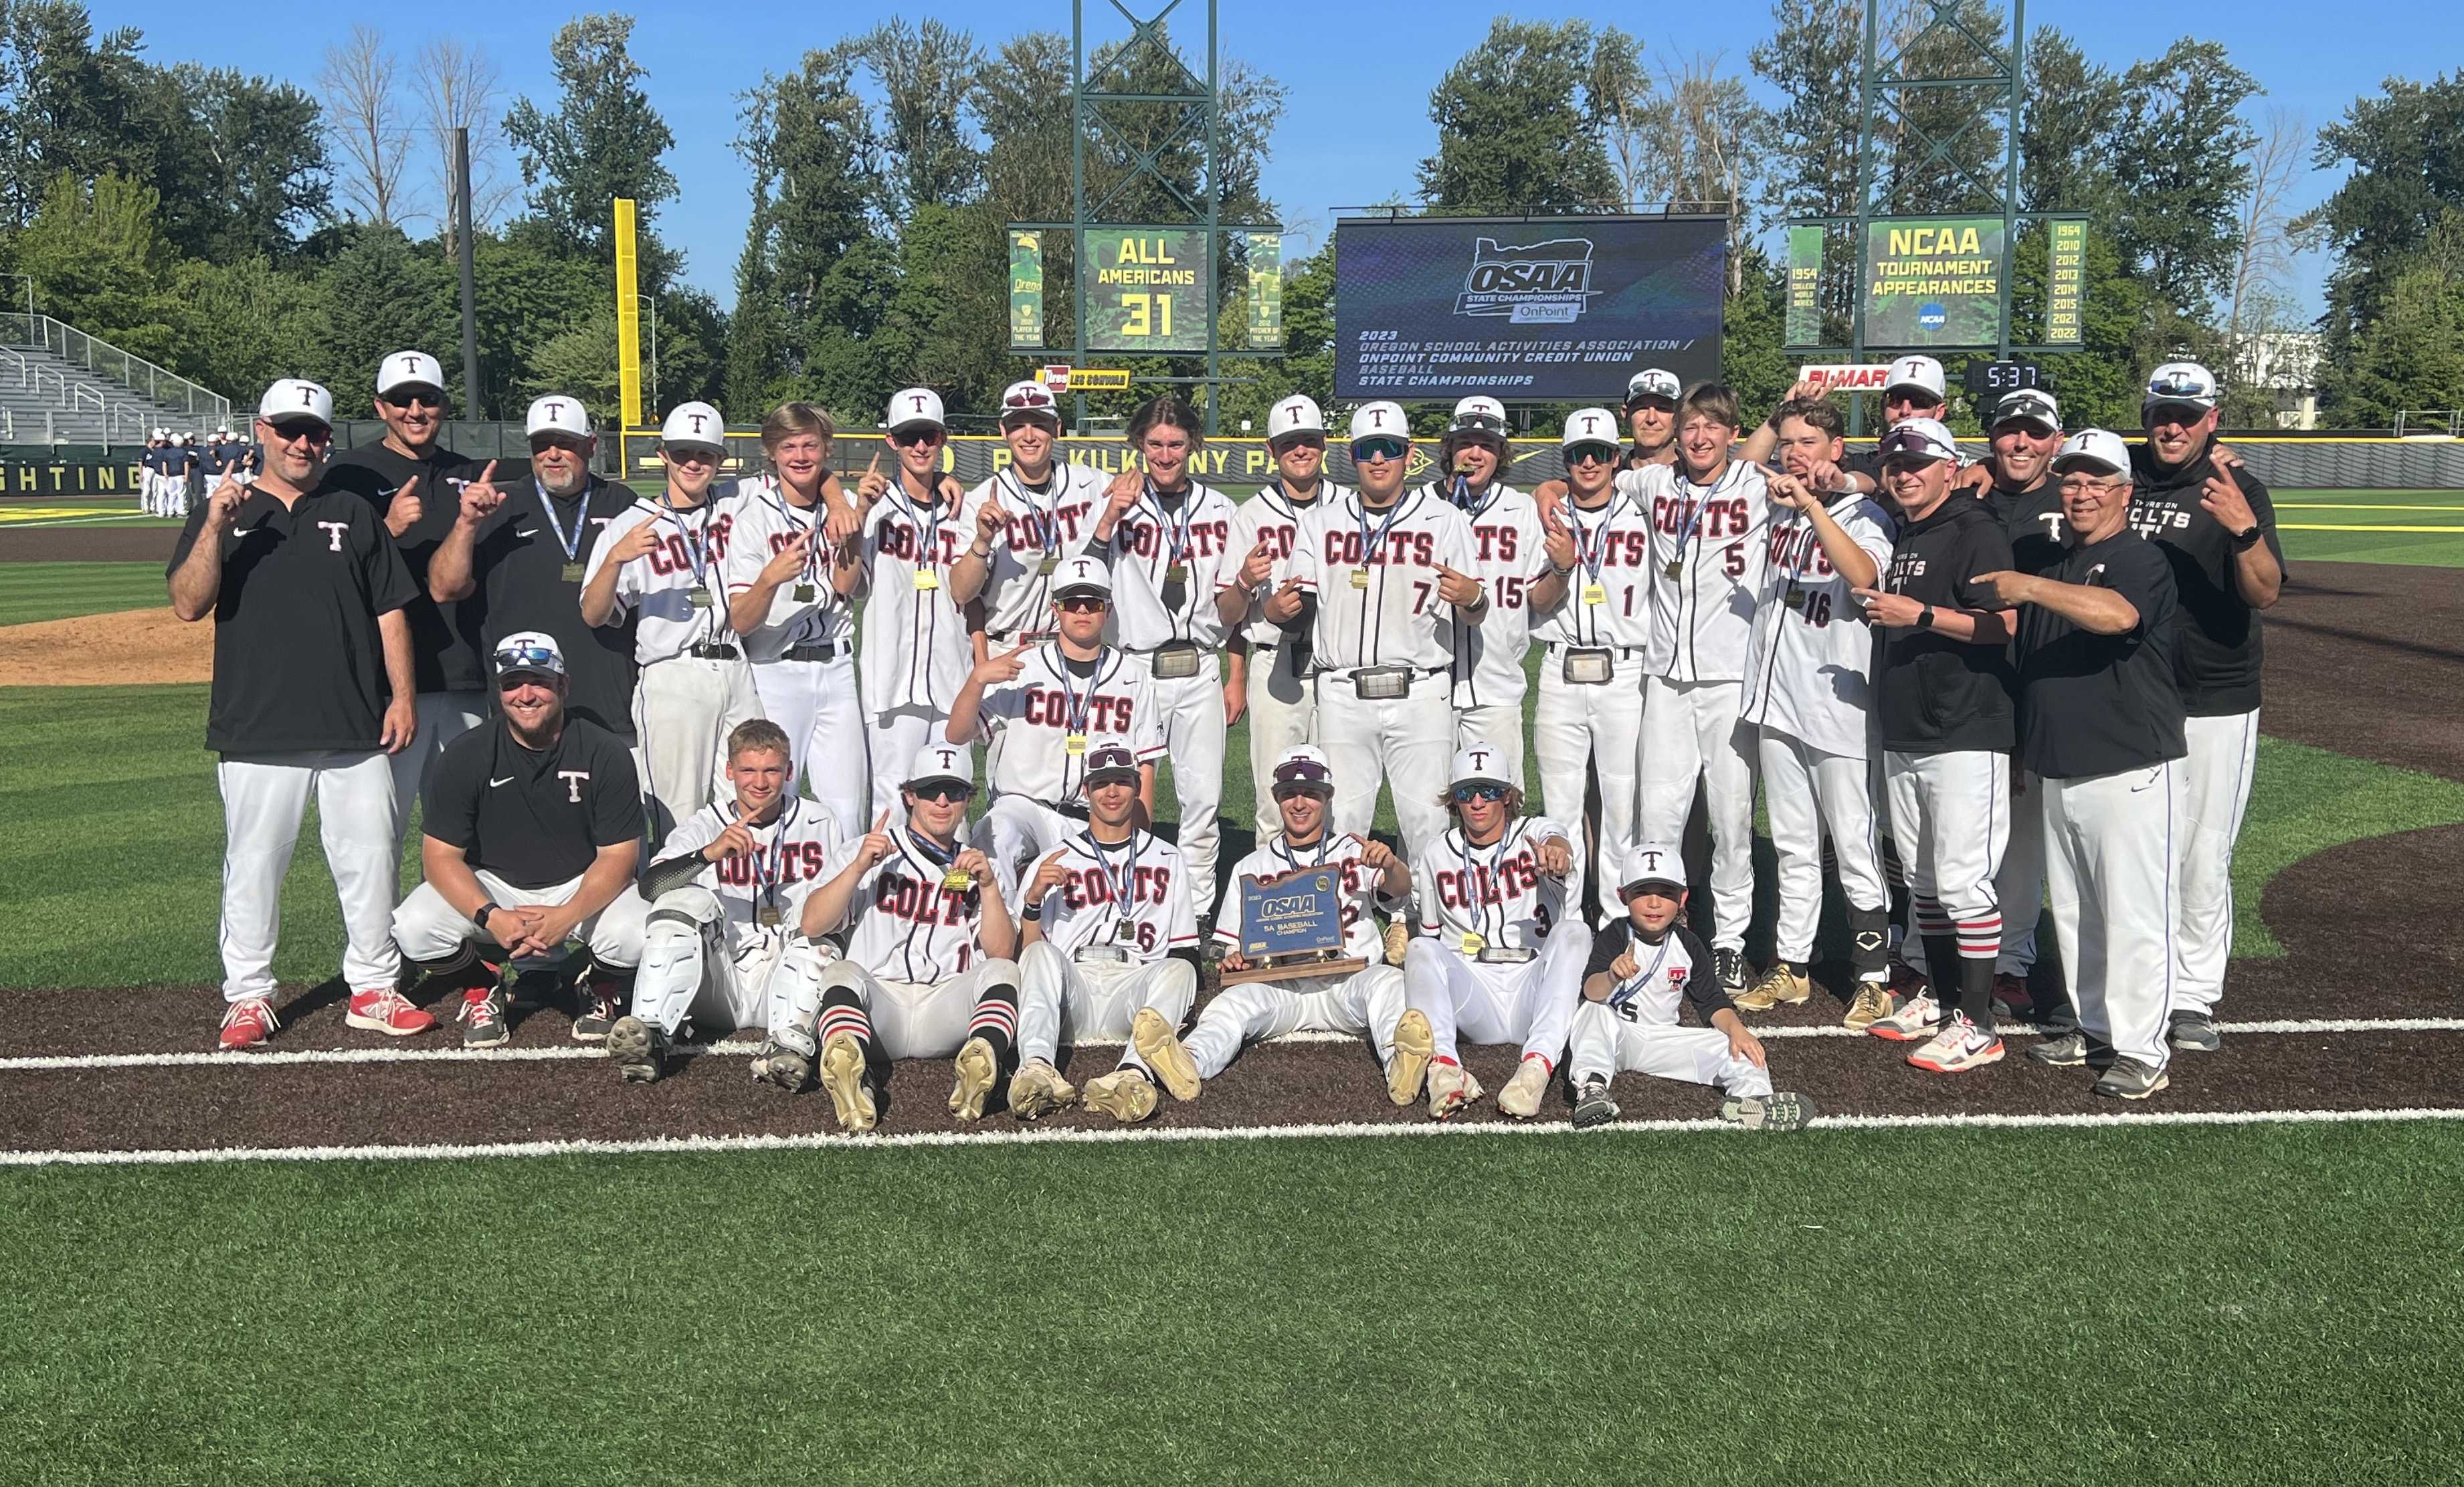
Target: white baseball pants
{"x":428,"y":930}
{"x":1193,"y":735}
{"x":2112,"y":864}
{"x":1689,"y":731}
{"x":1807,"y":792}
{"x":815,"y":703}
{"x":1951,"y":815}
{"x":1498,"y":725}
{"x":1408,"y":743}
{"x":894,"y":738}
{"x":264,"y":797}
{"x":1606,"y":1044}
{"x":2020,"y":882}
{"x":1577,"y":726}
{"x":1531,"y":1002}
{"x":1018,"y":829}
{"x":911,"y":1019}
{"x":720,"y":976}
{"x":1063,"y":1000}
{"x":1367,"y":1001}
{"x":443,"y":717}
{"x":2224,"y":752}
{"x":1282,"y":711}
{"x":683,"y":709}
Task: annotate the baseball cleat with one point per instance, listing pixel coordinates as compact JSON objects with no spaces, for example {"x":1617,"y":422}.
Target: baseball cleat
{"x":386,"y":1012}
{"x":2131,"y":1080}
{"x":1415,"y":1040}
{"x":1037,"y":1090}
{"x":1781,"y":1111}
{"x":1521,"y":1096}
{"x":1872,"y":1003}
{"x":1399,"y":944}
{"x":596,"y":1017}
{"x":638,"y":1050}
{"x":1593,"y":1106}
{"x":483,"y":1017}
{"x":1451,"y":1087}
{"x":1917,"y":1018}
{"x":2069,"y":1051}
{"x":1160,"y":1045}
{"x":1126,"y":1094}
{"x":842,"y":1080}
{"x":248,"y":1022}
{"x":1774,"y":986}
{"x":781,"y":1067}
{"x":979,"y":1071}
{"x":1731,"y":964}
{"x":2193,"y":1032}
{"x":1959,"y":1047}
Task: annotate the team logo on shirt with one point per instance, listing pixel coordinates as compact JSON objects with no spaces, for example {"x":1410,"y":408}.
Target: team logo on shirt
{"x":333,"y":530}
{"x":573,"y":779}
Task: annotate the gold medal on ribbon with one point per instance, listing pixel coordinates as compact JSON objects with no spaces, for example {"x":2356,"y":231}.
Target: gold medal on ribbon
{"x":767,"y":916}
{"x":1595,"y":593}
{"x":702,"y":599}
{"x":804,"y":593}
{"x":1473,"y":944}
{"x":1360,"y":577}
{"x":1046,"y":568}
{"x":958,"y":880}
{"x":1676,"y":569}
{"x":570,"y":573}
{"x":927,"y":579}
{"x":1075,"y":743}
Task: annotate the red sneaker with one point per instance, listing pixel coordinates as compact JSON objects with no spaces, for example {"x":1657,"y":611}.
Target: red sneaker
{"x":2011,"y":992}
{"x":386,"y":1012}
{"x":249,"y":1022}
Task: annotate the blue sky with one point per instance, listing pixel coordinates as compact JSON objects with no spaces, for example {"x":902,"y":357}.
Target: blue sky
{"x":1353,"y":128}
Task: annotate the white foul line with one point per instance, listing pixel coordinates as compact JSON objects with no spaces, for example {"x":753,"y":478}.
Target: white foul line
{"x":553,"y":1053}
{"x":817,"y":1142}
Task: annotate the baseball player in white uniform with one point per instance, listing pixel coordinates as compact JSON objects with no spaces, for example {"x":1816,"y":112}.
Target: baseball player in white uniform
{"x":1499,"y":958}
{"x":1808,"y":699}
{"x":1709,"y":516}
{"x":1369,"y":1000}
{"x":1643,"y":965}
{"x":722,"y":944}
{"x":1111,"y":952}
{"x":1594,"y":610}
{"x":1050,"y":707}
{"x":787,"y":586}
{"x":663,"y":561}
{"x":1271,"y":660}
{"x":927,"y":974}
{"x":1389,"y":575}
{"x":1027,"y":521}
{"x":1507,"y":558}
{"x":914,"y":652}
{"x":1170,"y":545}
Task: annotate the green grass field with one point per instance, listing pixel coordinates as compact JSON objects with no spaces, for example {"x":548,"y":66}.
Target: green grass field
{"x":30,"y":592}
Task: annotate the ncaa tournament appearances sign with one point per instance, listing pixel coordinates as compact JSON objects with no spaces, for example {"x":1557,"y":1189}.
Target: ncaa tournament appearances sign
{"x":1934,"y":282}
{"x":1562,"y":309}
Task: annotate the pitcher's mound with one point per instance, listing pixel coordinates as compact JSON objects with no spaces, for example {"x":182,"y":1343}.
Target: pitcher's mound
{"x":133,"y":647}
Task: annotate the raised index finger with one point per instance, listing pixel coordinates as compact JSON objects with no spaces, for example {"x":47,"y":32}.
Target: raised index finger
{"x":874,"y":469}
{"x":487,"y":477}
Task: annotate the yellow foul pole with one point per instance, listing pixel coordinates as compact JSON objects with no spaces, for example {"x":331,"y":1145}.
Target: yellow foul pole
{"x":628,"y":317}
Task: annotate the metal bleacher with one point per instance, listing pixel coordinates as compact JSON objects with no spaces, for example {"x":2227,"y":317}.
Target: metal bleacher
{"x":60,"y":386}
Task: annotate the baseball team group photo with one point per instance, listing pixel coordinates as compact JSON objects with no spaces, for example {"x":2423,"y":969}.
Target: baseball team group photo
{"x":1805,"y":654}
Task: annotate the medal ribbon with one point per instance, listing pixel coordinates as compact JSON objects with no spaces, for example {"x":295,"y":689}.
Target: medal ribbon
{"x":572,"y":545}
{"x":1124,"y":882}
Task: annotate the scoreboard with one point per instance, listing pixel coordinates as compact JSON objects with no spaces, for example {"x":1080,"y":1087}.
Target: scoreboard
{"x":1148,"y":290}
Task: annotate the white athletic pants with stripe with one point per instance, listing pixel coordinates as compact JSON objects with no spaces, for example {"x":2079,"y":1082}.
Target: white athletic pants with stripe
{"x":428,"y":929}
{"x":1690,"y":730}
{"x":264,"y":796}
{"x":683,"y":709}
{"x":2111,"y":863}
{"x":2223,"y":750}
{"x":1408,"y":743}
{"x":815,"y":703}
{"x":1807,"y":792}
{"x":1061,"y":1000}
{"x":1193,"y":735}
{"x":1367,"y":1001}
{"x":1580,"y":726}
{"x":1606,"y":1044}
{"x":443,"y":717}
{"x":722,"y":976}
{"x":1282,"y":711}
{"x":894,"y":738}
{"x":1951,"y":815}
{"x":1532,"y":1003}
{"x":911,"y":1019}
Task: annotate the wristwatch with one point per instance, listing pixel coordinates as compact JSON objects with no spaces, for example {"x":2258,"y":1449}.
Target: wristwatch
{"x":479,"y":915}
{"x":2244,"y":541}
{"x":1924,"y":618}
{"x":1032,"y":911}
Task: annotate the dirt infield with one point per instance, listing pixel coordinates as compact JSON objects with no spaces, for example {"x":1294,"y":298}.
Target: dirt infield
{"x":130,"y":648}
{"x":2364,"y":659}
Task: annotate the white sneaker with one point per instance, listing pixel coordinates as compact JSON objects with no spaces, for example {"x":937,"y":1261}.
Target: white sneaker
{"x":1521,"y":1096}
{"x":1451,"y":1087}
{"x":1960,"y":1046}
{"x":1917,"y":1018}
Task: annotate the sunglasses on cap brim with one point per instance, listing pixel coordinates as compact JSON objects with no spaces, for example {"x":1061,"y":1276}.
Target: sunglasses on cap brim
{"x":1303,"y":771}
{"x":1649,"y":399}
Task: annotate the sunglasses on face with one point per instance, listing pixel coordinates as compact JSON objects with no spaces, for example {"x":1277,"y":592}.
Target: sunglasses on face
{"x":415,"y":399}
{"x":911,"y":438}
{"x":1379,"y":450}
{"x":1081,"y":604}
{"x":302,"y":433}
{"x":1298,"y":442}
{"x":1465,"y":795}
{"x":1910,"y":400}
{"x":945,"y":794}
{"x":1591,"y":454}
{"x":693,"y":455}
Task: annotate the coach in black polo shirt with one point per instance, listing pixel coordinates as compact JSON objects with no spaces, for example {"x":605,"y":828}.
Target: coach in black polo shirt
{"x":2101,"y":724}
{"x":312,"y":690}
{"x":533,"y":825}
{"x":516,"y":554}
{"x":414,"y":483}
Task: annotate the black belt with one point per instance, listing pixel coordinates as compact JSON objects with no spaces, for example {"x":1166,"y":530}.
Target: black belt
{"x":1419,"y":674}
{"x":712,"y":651}
{"x":816,"y":651}
{"x":1623,"y":650}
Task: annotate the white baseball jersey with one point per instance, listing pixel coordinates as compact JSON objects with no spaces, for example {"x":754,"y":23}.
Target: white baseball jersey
{"x":1047,"y":524}
{"x":1608,"y":595}
{"x":1053,"y":715}
{"x":765,"y":522}
{"x":1269,"y":516}
{"x":1508,"y":553}
{"x":1339,"y":855}
{"x":1375,"y":578}
{"x":904,"y":925}
{"x":1701,"y":617}
{"x":915,"y":650}
{"x":1141,"y":883}
{"x":659,"y":586}
{"x":1496,"y":894}
{"x":1810,"y":675}
{"x":1149,"y":543}
{"x":791,"y":854}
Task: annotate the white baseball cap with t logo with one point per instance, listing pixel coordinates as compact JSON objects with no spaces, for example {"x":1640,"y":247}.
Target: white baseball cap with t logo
{"x":1922,"y":373}
{"x":942,"y":761}
{"x":695,"y":425}
{"x":1590,"y":425}
{"x":1380,"y":421}
{"x":1653,"y":863}
{"x":1479,"y":764}
{"x":295,"y":399}
{"x":409,"y":369}
{"x":911,"y":407}
{"x":557,"y":414}
{"x":1294,"y":415}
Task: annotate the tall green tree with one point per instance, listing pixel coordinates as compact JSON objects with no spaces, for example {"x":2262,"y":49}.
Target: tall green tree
{"x":2068,"y":122}
{"x":240,"y":160}
{"x":2404,"y":151}
{"x":1518,"y":125}
{"x":603,"y":139}
{"x":928,"y":74}
{"x":2409,"y":353}
{"x":1812,"y":60}
{"x":64,"y":96}
{"x":2180,"y":171}
{"x":98,"y":261}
